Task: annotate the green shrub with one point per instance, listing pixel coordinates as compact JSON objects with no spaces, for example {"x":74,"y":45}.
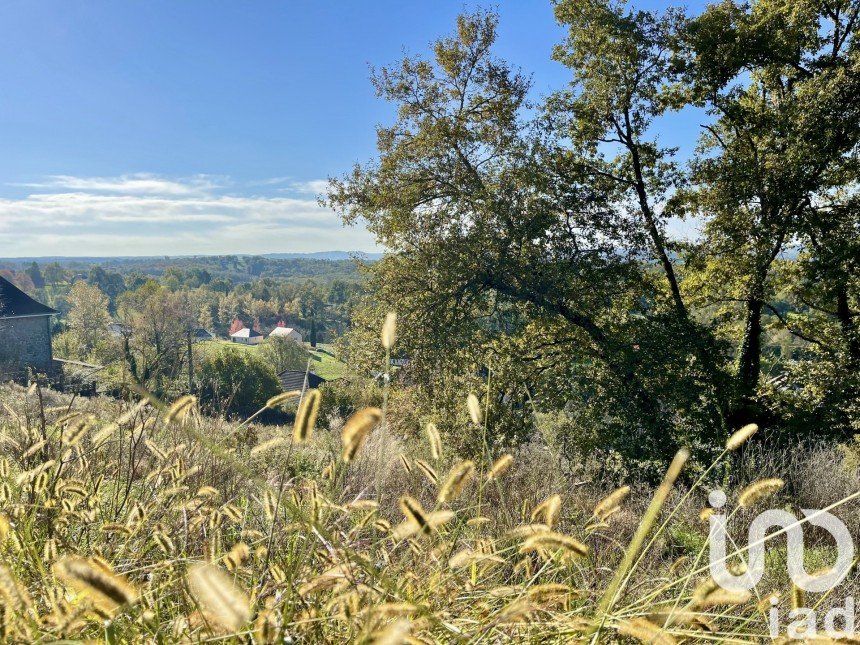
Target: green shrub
{"x":236,"y":382}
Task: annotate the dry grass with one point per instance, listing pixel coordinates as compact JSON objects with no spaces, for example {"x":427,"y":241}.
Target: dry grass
{"x":141,"y":522}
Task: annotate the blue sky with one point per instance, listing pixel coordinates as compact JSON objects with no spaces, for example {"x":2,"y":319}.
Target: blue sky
{"x":207,"y":126}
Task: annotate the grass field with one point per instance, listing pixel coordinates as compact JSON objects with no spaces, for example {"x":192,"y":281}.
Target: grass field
{"x":323,"y":361}
{"x":198,"y":532}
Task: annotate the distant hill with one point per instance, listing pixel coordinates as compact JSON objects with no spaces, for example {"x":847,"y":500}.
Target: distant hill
{"x":318,"y":255}
{"x":325,"y":255}
{"x":323,"y":266}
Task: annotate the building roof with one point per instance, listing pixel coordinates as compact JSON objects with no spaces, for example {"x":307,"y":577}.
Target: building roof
{"x":283,"y":331}
{"x":118,"y":329}
{"x":14,"y":303}
{"x":295,"y":380}
{"x":245,"y":333}
{"x":200,"y":332}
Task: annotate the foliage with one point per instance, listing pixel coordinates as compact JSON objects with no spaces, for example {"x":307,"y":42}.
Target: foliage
{"x":111,"y":509}
{"x":530,"y":241}
{"x":283,"y":354}
{"x":236,"y":382}
{"x":88,"y":318}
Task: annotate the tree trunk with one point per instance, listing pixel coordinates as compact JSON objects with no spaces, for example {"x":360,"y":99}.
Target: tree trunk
{"x":846,"y":322}
{"x":651,"y":222}
{"x":749,"y":355}
{"x":190,"y":364}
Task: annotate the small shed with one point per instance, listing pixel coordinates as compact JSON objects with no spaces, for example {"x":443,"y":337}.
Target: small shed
{"x":246,"y":336}
{"x":202,"y":334}
{"x":295,"y":380}
{"x":25,"y":333}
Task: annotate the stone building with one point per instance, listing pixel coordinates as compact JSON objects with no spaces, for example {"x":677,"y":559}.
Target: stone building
{"x":25,"y":333}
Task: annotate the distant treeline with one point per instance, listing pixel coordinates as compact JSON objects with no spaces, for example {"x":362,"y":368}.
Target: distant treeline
{"x":234,"y":268}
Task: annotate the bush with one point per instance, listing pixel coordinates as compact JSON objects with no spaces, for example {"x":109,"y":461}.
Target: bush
{"x":283,"y":354}
{"x":236,"y":382}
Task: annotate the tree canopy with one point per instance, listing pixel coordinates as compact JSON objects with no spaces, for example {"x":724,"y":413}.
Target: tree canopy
{"x":528,"y":238}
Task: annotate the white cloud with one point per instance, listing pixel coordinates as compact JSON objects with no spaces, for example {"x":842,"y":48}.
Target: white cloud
{"x":148,"y":214}
{"x":136,"y":183}
{"x":270,"y":181}
{"x":314,"y":187}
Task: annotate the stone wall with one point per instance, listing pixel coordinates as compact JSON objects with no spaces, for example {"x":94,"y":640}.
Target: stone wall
{"x":25,"y":342}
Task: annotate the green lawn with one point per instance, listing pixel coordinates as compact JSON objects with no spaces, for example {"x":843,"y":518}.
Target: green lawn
{"x":215,"y":345}
{"x":323,"y":361}
{"x":325,"y":364}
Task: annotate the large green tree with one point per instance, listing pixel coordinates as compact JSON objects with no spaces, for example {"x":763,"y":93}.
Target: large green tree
{"x":507,"y":248}
{"x":530,"y":239}
{"x":781,"y":82}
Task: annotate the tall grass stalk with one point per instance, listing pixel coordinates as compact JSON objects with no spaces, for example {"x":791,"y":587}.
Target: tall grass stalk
{"x":610,"y":596}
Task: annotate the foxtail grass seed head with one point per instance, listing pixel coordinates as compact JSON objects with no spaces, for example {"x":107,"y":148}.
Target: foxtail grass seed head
{"x":404,"y":461}
{"x":389,"y":330}
{"x":163,"y":541}
{"x":428,"y":472}
{"x":14,"y":594}
{"x":740,"y":437}
{"x":180,"y":409}
{"x":549,"y":510}
{"x":500,"y":467}
{"x":283,"y":397}
{"x":266,"y":627}
{"x":611,"y":503}
{"x":216,"y":592}
{"x":267,"y":446}
{"x":306,"y":416}
{"x":75,"y":432}
{"x":108,"y":591}
{"x":798,"y":597}
{"x":645,"y":631}
{"x":474,"y":406}
{"x":394,"y":634}
{"x":414,"y":512}
{"x":723,"y":598}
{"x":412,"y":525}
{"x":434,"y":440}
{"x":526,"y":530}
{"x":457,"y":480}
{"x":356,"y":429}
{"x":759,"y":490}
{"x":237,"y":556}
{"x":552,"y":593}
{"x":270,"y":504}
{"x":552,"y":541}
{"x":36,"y":447}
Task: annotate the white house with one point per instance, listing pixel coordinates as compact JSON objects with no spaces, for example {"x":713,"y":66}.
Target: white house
{"x":286,"y":332}
{"x":247,"y":336}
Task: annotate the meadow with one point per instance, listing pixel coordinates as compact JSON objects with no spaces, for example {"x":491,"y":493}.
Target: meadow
{"x":323,"y":360}
{"x":142,"y":521}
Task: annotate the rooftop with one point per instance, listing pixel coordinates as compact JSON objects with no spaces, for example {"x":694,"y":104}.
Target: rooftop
{"x":282,"y":331}
{"x":14,"y":303}
{"x":245,"y":333}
